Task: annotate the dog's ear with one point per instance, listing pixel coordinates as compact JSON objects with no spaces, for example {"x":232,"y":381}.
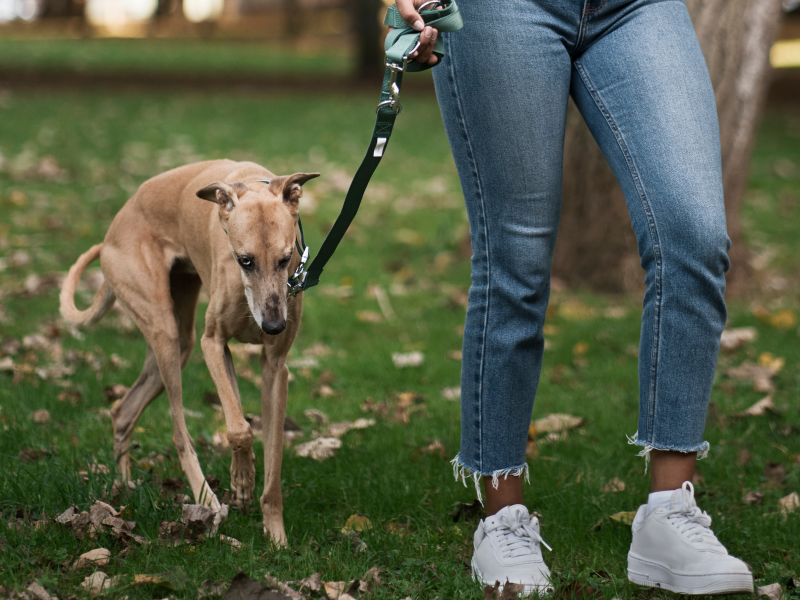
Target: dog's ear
{"x":290,"y":188}
{"x":224,"y":194}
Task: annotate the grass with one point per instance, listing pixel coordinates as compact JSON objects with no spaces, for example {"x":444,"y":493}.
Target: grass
{"x":406,"y":239}
{"x":170,"y":56}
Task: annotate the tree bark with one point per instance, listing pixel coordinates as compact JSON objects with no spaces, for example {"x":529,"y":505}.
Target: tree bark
{"x":598,"y":248}
{"x":368,"y":31}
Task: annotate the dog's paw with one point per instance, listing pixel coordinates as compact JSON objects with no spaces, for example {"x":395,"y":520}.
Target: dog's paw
{"x":275,"y":535}
{"x":243,"y":478}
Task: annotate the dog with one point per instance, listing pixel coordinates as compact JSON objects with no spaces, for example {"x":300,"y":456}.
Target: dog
{"x":241,"y":246}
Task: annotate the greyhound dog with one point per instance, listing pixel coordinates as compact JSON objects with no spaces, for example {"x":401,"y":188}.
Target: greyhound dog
{"x":161,"y":248}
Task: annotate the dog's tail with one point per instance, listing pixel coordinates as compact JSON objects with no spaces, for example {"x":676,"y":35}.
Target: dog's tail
{"x":103,"y":300}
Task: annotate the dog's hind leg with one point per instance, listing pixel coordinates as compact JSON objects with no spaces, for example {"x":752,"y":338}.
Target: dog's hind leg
{"x":185,"y":290}
{"x":274,"y":392}
{"x":127,"y":411}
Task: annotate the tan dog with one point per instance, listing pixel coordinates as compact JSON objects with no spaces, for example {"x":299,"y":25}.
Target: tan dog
{"x":160,"y":249}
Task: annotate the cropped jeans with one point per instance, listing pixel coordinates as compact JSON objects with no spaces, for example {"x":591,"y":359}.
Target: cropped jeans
{"x":636,"y":73}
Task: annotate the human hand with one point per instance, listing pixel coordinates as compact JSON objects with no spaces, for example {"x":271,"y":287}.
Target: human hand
{"x":427,"y":38}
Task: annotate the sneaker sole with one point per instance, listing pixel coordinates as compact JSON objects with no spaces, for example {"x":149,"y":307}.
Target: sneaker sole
{"x":655,"y":575}
{"x":542,"y":590}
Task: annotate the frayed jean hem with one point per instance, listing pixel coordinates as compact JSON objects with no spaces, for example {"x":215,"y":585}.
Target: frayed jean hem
{"x":463,"y":471}
{"x":647,"y":447}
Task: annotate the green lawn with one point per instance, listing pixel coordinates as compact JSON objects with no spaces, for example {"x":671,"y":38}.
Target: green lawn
{"x":406,"y":240}
{"x":170,"y":56}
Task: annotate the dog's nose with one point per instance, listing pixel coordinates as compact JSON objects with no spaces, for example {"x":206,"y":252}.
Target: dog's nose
{"x":273,"y":327}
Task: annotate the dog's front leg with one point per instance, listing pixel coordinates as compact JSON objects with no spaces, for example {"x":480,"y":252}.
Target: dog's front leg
{"x":240,"y":436}
{"x":274,"y":390}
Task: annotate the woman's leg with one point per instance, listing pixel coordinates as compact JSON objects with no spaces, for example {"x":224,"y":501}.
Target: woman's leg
{"x":503,"y":88}
{"x":643,"y":87}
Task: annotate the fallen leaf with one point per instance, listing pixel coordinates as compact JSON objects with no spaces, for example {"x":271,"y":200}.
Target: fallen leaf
{"x":626,"y":518}
{"x":555,"y":423}
{"x":39,"y":593}
{"x":580,"y":348}
{"x":356,"y":522}
{"x":319,"y":449}
{"x":435,"y":447}
{"x":312,"y":583}
{"x":755,"y":498}
{"x":115,"y":392}
{"x":774,"y":591}
{"x":785,"y":318}
{"x":758,"y":409}
{"x":615,"y":485}
{"x":32,"y":454}
{"x":789,"y":504}
{"x":775,"y":471}
{"x":7,"y":364}
{"x":283,"y":587}
{"x":245,"y":588}
{"x":369,"y":316}
{"x":236,"y":544}
{"x":761,"y":376}
{"x":174,"y":579}
{"x":451,"y":393}
{"x":743,"y":457}
{"x":771,"y":362}
{"x":71,"y":396}
{"x":737,"y":337}
{"x":324,"y":391}
{"x":575,"y":310}
{"x":40,"y":417}
{"x":211,"y":589}
{"x":96,"y":583}
{"x":315,"y":415}
{"x":410,"y":359}
{"x":94,"y":558}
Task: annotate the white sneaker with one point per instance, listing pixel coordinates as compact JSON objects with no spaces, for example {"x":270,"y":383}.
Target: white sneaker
{"x":676,"y":550}
{"x":507,"y":550}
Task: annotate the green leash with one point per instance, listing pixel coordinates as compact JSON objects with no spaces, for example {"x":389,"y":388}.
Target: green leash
{"x":400,"y":42}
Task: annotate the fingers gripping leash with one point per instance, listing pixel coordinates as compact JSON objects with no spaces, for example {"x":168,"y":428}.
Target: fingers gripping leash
{"x":400,"y":44}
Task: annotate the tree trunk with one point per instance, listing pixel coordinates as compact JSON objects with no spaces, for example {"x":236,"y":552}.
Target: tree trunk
{"x":368,"y":38}
{"x":601,"y":251}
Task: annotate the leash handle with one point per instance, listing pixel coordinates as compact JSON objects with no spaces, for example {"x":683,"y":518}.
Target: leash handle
{"x":400,"y":42}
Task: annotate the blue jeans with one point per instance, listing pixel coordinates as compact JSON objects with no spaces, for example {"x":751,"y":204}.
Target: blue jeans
{"x":636,"y":73}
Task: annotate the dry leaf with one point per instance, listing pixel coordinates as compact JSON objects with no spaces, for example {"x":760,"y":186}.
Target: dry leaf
{"x":771,"y":362}
{"x":451,"y":393}
{"x":753,"y":498}
{"x":758,"y":409}
{"x":435,"y":447}
{"x":7,"y":364}
{"x":626,"y":518}
{"x":575,"y":310}
{"x":368,"y":316}
{"x":283,"y":587}
{"x":774,"y":591}
{"x":315,"y":415}
{"x":312,"y":583}
{"x":615,"y":485}
{"x":356,"y":522}
{"x":94,"y":558}
{"x":775,"y":471}
{"x":115,"y":392}
{"x":743,"y":457}
{"x":555,"y":423}
{"x":96,"y":583}
{"x":789,"y":504}
{"x":32,"y":454}
{"x":785,"y":318}
{"x":737,"y":337}
{"x":320,"y":448}
{"x":325,"y":391}
{"x":410,"y":359}
{"x":40,"y":417}
{"x":39,"y":593}
{"x":761,"y":376}
{"x":245,"y":588}
{"x":580,"y":348}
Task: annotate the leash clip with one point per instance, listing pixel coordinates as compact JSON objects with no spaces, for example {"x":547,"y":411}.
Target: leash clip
{"x":394,"y":90}
{"x":297,"y":280}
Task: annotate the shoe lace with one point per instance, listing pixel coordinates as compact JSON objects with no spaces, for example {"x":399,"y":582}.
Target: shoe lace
{"x":690,"y":521}
{"x":518,"y":537}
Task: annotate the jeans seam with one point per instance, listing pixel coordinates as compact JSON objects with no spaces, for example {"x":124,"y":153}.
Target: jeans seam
{"x":653,"y":230}
{"x":479,"y":188}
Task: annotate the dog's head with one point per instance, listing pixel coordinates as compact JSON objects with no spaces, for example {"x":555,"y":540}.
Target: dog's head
{"x":260,"y":222}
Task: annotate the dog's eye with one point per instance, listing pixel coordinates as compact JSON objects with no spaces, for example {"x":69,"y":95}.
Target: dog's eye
{"x":245,"y":262}
{"x":284,"y":261}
